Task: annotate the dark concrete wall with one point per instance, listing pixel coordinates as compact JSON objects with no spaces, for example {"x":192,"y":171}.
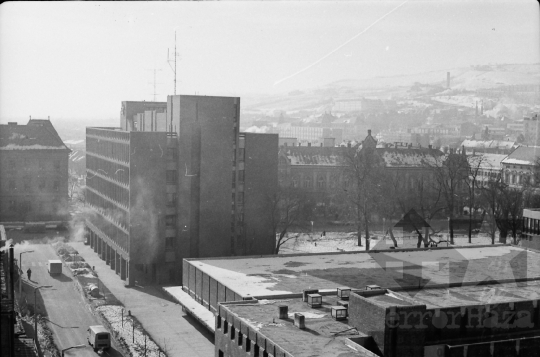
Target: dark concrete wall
{"x":147,"y":202}
{"x":260,"y":186}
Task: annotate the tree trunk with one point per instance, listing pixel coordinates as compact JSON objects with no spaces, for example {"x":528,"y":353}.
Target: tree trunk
{"x":392,"y":237}
{"x":359,"y":226}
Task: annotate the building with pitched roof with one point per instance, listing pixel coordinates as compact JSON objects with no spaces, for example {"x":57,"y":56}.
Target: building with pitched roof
{"x":518,"y":167}
{"x":34,"y":166}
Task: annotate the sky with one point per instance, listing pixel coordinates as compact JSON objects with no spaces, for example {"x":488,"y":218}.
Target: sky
{"x":81,"y":59}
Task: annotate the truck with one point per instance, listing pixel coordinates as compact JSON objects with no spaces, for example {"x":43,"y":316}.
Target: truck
{"x":55,"y":267}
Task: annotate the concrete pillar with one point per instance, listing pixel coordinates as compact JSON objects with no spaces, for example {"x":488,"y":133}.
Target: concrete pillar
{"x":130,"y":279}
{"x":117,"y":263}
{"x":107,"y":254}
{"x":113,"y":259}
{"x":122,"y":268}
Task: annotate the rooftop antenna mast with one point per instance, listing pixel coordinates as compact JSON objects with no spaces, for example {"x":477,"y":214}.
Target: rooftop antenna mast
{"x":169,"y":60}
{"x":155,"y":70}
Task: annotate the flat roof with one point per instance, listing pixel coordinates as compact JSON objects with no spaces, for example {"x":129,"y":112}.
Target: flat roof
{"x":461,"y":296}
{"x":392,"y":269}
{"x":263,"y":317}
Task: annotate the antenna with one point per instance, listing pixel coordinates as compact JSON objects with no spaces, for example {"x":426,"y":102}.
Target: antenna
{"x":169,"y":60}
{"x":155,"y":70}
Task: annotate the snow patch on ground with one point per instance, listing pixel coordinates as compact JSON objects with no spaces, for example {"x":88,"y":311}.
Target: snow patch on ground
{"x":307,"y":315}
{"x":113,"y":314}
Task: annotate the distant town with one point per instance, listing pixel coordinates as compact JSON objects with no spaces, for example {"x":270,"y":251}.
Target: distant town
{"x":398,"y":216}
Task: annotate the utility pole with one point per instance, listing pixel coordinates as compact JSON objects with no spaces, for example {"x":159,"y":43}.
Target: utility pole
{"x":169,"y":60}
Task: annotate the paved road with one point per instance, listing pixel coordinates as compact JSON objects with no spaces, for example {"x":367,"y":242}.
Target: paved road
{"x":173,"y":330}
{"x":68,"y":314}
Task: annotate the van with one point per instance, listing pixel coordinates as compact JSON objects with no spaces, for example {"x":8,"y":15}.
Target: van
{"x":98,"y":337}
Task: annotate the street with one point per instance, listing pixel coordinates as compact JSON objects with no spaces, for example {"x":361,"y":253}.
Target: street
{"x":68,"y":314}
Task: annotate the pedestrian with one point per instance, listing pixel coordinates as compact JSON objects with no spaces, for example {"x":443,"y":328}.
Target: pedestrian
{"x":29,"y":273}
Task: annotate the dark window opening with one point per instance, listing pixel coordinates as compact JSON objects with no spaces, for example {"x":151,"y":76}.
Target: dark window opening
{"x":256,"y":350}
{"x":240,"y":339}
{"x":248,"y":345}
{"x":170,"y":220}
{"x":225,"y":327}
{"x":171,"y":176}
{"x":218,"y":322}
{"x":233,"y":330}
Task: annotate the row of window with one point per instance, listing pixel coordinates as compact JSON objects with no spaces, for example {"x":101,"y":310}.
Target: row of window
{"x":114,"y":150}
{"x":112,"y":170}
{"x":27,"y":185}
{"x":109,"y":189}
{"x":242,"y":341}
{"x":28,"y":163}
{"x":531,"y":225}
{"x":117,"y":214}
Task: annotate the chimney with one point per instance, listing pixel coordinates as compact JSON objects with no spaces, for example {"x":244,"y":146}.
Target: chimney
{"x":463,"y":150}
{"x":349,"y":144}
{"x":299,"y":320}
{"x":369,"y":132}
{"x":283,"y":311}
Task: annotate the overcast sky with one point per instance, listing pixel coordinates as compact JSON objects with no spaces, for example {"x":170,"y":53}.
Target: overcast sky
{"x":81,"y":59}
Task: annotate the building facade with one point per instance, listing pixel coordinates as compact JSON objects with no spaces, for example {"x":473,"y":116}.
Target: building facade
{"x":34,"y":167}
{"x":531,"y":229}
{"x":179,"y":182}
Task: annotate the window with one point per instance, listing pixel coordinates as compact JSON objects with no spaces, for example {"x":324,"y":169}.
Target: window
{"x":170,"y":220}
{"x":225,"y":327}
{"x":234,"y":179}
{"x":295,"y":181}
{"x":220,"y":354}
{"x":248,"y":345}
{"x":241,"y":176}
{"x":307,"y":182}
{"x":56,"y":186}
{"x":171,"y":199}
{"x":171,"y":153}
{"x":242,"y":154}
{"x":169,"y":242}
{"x":321,"y":183}
{"x":233,"y":331}
{"x":256,"y":350}
{"x":171,"y":176}
{"x":240,"y":339}
{"x":218,"y":321}
{"x":240,"y":197}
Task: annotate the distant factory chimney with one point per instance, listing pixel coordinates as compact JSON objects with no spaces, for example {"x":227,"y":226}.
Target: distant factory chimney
{"x":448,"y":80}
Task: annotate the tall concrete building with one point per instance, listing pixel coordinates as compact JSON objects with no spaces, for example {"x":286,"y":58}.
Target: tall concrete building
{"x":178,"y":180}
{"x":34,"y":167}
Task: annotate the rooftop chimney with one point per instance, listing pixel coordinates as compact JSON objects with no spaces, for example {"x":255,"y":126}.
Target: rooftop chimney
{"x":283,"y":311}
{"x":299,"y":320}
{"x":369,"y":132}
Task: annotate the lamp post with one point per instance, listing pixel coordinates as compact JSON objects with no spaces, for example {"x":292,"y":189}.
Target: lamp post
{"x":65,"y":349}
{"x":22,"y":272}
{"x":35,"y":315}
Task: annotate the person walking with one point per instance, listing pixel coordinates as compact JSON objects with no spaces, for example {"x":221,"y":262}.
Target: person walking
{"x":29,"y":273}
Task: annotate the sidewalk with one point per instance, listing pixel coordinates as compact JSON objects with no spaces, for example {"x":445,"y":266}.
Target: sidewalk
{"x":174,"y":331}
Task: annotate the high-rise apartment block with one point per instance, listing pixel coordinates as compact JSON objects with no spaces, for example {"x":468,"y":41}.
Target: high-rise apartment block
{"x":178,"y":180}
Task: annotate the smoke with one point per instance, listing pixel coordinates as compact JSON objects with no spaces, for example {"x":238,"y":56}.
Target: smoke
{"x":144,"y":218}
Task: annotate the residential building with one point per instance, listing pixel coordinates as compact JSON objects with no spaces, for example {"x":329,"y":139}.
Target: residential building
{"x":489,"y":146}
{"x":518,"y":167}
{"x":531,"y":130}
{"x":531,"y":228}
{"x":34,"y":166}
{"x":385,"y":303}
{"x":179,"y":181}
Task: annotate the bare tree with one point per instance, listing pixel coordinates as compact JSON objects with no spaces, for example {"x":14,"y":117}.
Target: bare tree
{"x":363,"y":171}
{"x":285,"y":212}
{"x":450,"y":171}
{"x":475,"y":163}
{"x":73,"y":184}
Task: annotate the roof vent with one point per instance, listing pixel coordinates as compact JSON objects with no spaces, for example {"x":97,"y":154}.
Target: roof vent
{"x":314,"y":300}
{"x":339,"y":312}
{"x":343,"y":293}
{"x":306,"y":292}
{"x":299,"y":320}
{"x":373,"y":287}
{"x":283,"y":311}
